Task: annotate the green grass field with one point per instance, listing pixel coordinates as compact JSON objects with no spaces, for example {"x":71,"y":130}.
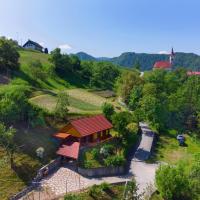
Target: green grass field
{"x":168,"y":149}
{"x":80,"y":101}
{"x":51,"y":83}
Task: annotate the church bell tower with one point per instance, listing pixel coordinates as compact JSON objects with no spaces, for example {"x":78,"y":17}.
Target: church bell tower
{"x":172,"y":57}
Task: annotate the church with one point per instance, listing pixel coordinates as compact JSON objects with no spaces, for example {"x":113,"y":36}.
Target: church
{"x":167,"y":65}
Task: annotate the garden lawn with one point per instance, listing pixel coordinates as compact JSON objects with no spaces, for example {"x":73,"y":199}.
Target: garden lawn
{"x":168,"y":149}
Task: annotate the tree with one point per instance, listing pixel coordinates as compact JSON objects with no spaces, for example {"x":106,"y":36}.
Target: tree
{"x":104,"y":75}
{"x":120,"y":121}
{"x":61,"y":109}
{"x":137,"y":66}
{"x":13,"y":103}
{"x":75,"y":63}
{"x":62,"y":62}
{"x":135,"y":96}
{"x":108,"y":110}
{"x":7,"y":141}
{"x":173,"y":183}
{"x":126,"y":83}
{"x":46,"y":51}
{"x":194,"y":177}
{"x":8,"y":55}
{"x":132,"y":128}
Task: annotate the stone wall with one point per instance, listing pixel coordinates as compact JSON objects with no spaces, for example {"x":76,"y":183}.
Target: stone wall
{"x":102,"y":171}
{"x":47,"y":169}
{"x":42,"y":172}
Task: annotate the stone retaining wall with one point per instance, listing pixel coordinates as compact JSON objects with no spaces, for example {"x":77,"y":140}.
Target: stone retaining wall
{"x":48,"y":169}
{"x":44,"y":171}
{"x":102,"y":171}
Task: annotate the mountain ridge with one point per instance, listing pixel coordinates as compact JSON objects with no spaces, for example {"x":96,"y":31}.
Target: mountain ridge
{"x":128,"y":59}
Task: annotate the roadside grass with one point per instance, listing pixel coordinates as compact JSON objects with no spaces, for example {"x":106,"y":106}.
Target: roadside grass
{"x":156,"y":196}
{"x":113,"y":192}
{"x":26,"y":162}
{"x":168,"y":149}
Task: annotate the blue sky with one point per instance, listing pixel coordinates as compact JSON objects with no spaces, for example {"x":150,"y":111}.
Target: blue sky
{"x":104,"y":27}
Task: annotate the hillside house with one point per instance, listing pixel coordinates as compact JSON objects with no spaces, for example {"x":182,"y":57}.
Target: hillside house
{"x":82,"y":132}
{"x":191,"y":73}
{"x":33,"y":45}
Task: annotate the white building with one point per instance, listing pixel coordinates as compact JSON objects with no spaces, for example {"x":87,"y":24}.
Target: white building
{"x":33,"y":45}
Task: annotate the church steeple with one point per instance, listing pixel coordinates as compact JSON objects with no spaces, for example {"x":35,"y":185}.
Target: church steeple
{"x":172,"y":57}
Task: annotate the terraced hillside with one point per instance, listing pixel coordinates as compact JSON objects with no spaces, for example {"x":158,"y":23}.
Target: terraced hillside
{"x":80,"y":101}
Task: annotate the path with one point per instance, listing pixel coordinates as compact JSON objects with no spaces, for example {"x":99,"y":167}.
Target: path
{"x":66,"y":179}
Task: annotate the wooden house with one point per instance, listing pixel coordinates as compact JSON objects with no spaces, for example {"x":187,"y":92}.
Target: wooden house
{"x":82,"y":132}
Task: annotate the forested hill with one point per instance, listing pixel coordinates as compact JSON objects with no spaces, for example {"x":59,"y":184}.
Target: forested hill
{"x":128,"y":59}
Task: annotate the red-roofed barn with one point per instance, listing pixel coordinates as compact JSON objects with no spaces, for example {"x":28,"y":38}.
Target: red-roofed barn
{"x":81,"y":132}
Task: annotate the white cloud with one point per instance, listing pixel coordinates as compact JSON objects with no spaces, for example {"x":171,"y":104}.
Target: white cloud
{"x":41,"y":43}
{"x":163,"y":52}
{"x":65,"y":47}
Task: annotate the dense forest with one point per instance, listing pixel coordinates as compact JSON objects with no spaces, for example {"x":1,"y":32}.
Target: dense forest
{"x":168,"y":100}
{"x":129,"y":59}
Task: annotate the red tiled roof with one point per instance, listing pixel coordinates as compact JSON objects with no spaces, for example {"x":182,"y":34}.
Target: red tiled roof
{"x":193,"y":73}
{"x":70,"y":150}
{"x":61,"y":135}
{"x":90,"y":125}
{"x":162,"y":65}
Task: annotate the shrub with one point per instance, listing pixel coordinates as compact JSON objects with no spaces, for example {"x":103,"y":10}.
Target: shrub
{"x":108,"y":110}
{"x":72,"y":197}
{"x":104,"y":186}
{"x":116,"y":160}
{"x":95,"y":191}
{"x":88,"y":164}
{"x":172,"y":182}
{"x":95,"y":153}
{"x":107,"y":150}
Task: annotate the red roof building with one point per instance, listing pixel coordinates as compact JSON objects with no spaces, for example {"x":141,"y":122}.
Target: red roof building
{"x":167,"y":65}
{"x":162,"y":65}
{"x":81,"y":132}
{"x":190,"y":73}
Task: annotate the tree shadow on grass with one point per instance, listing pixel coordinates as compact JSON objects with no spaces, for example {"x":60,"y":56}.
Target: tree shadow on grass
{"x":110,"y":193}
{"x":74,"y":79}
{"x":25,"y":77}
{"x":25,"y":171}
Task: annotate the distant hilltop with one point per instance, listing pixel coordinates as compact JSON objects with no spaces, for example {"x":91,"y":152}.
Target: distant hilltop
{"x":128,"y":59}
